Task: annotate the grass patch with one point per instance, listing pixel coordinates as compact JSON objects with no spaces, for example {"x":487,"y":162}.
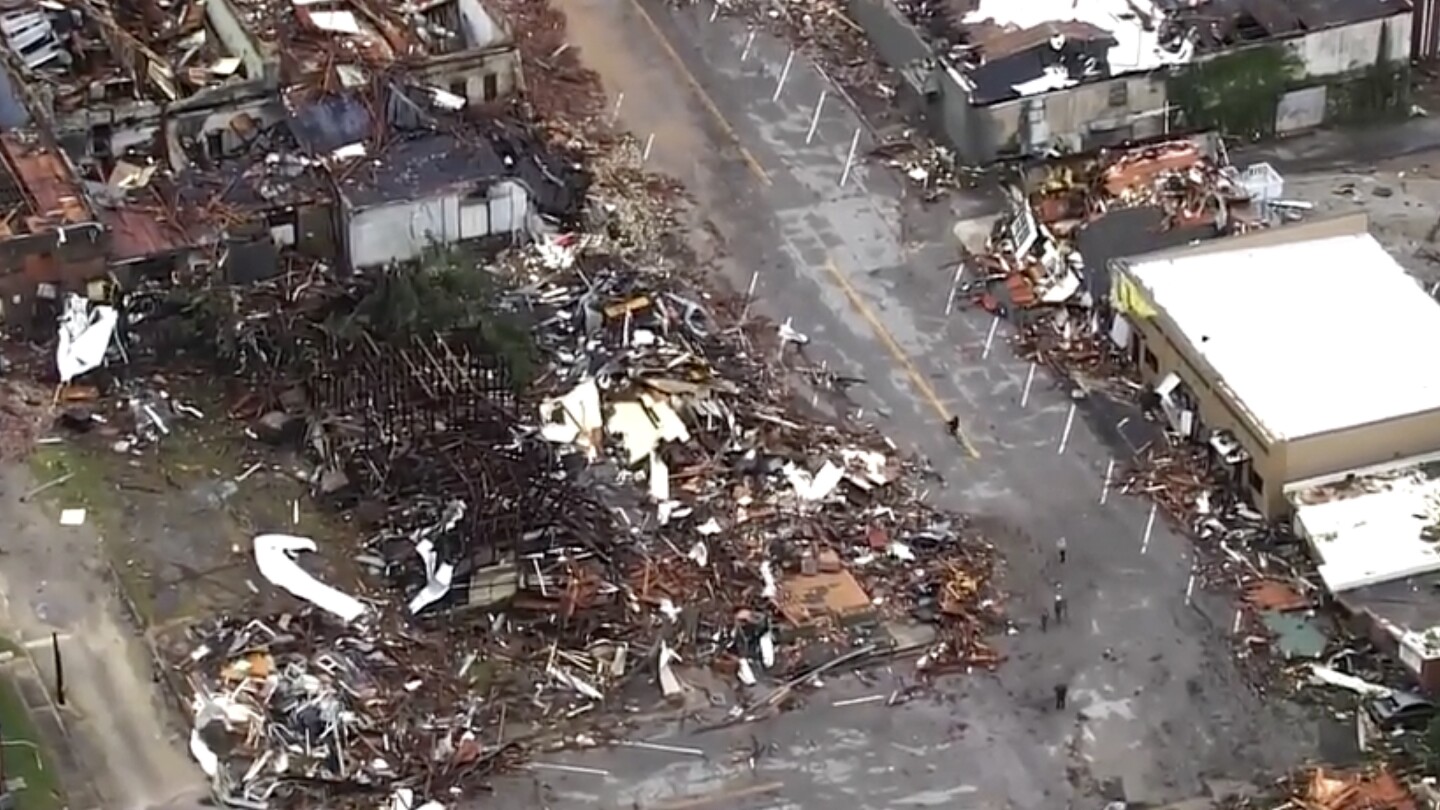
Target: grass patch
{"x":24,"y":757}
{"x":91,"y":486}
{"x":188,"y":475}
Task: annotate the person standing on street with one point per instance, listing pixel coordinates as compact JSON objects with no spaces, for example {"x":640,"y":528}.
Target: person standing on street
{"x":1059,"y":605}
{"x":1060,"y":550}
{"x":1061,"y":693}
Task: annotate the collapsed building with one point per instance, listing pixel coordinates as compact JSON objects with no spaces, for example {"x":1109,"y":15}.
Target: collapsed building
{"x":114,"y":77}
{"x":50,"y":234}
{"x":210,"y":138}
{"x":1000,"y":79}
{"x":665,"y":521}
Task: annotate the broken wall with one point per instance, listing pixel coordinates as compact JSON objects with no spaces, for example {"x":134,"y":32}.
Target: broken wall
{"x":401,"y":231}
{"x":480,"y":76}
{"x":481,"y":30}
{"x":897,"y":41}
{"x":37,"y":269}
{"x":1425,"y":30}
{"x":968,"y":130}
{"x":1165,"y":351}
{"x":222,"y":20}
{"x":315,"y":231}
{"x":116,"y":128}
{"x":931,"y":84}
{"x":223,"y":129}
{"x":1348,"y":48}
{"x":1082,"y":117}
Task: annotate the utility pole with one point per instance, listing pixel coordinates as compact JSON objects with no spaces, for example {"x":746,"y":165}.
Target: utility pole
{"x":59,"y":669}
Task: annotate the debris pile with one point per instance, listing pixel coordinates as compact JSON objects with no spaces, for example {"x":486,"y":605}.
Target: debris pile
{"x":1177,"y":478}
{"x":649,"y":382}
{"x":657,"y":518}
{"x":1376,"y":789}
{"x":1327,"y":788}
{"x":1180,"y":482}
{"x":581,"y":486}
{"x":24,"y":411}
{"x":1263,"y":565}
{"x":1047,"y":263}
{"x":824,"y":31}
{"x":1038,"y":256}
{"x":927,"y":165}
{"x":290,"y":707}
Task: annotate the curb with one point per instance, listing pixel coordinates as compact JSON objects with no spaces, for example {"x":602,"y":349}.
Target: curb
{"x":163,"y":673}
{"x":26,"y":659}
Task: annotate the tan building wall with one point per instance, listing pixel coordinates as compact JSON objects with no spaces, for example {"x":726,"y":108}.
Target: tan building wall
{"x":1365,"y":446}
{"x":1161,"y":349}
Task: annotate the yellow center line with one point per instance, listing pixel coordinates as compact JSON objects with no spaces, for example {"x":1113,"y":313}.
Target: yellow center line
{"x":917,"y":379}
{"x":750,"y":161}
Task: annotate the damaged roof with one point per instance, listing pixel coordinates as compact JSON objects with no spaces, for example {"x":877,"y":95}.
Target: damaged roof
{"x":1011,"y":49}
{"x":1050,"y":44}
{"x":1223,"y":23}
{"x":422,"y":155}
{"x":1371,"y":527}
{"x":39,"y":190}
{"x":414,"y":162}
{"x":414,"y":166}
{"x":311,"y":35}
{"x":103,"y":54}
{"x":140,"y":231}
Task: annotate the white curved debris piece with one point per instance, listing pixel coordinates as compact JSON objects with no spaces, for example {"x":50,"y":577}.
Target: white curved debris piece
{"x":273,"y":558}
{"x":1322,"y":675}
{"x":218,"y":709}
{"x":209,"y":762}
{"x":85,"y":335}
{"x":438,"y":576}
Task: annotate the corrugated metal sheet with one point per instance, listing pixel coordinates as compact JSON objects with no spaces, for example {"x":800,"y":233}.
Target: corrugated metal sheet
{"x":139,"y":234}
{"x":49,"y":185}
{"x":1425,"y":31}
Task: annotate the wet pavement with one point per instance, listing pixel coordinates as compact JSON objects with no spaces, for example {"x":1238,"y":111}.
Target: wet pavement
{"x":55,"y":579}
{"x":1157,"y":709}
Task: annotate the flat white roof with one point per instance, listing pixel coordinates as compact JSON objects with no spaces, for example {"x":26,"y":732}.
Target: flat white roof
{"x":1370,"y":530}
{"x":1311,"y":336}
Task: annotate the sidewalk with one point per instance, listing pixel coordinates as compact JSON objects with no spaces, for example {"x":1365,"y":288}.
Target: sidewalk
{"x":30,"y":716}
{"x":1341,"y":148}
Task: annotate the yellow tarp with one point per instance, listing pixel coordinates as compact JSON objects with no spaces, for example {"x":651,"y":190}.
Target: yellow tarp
{"x":1128,"y":298}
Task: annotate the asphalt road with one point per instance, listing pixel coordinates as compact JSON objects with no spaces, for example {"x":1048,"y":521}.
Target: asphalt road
{"x":1158,"y":712}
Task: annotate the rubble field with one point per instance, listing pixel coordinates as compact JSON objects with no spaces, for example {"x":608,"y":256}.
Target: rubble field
{"x":393,"y":534}
{"x":669,"y":509}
